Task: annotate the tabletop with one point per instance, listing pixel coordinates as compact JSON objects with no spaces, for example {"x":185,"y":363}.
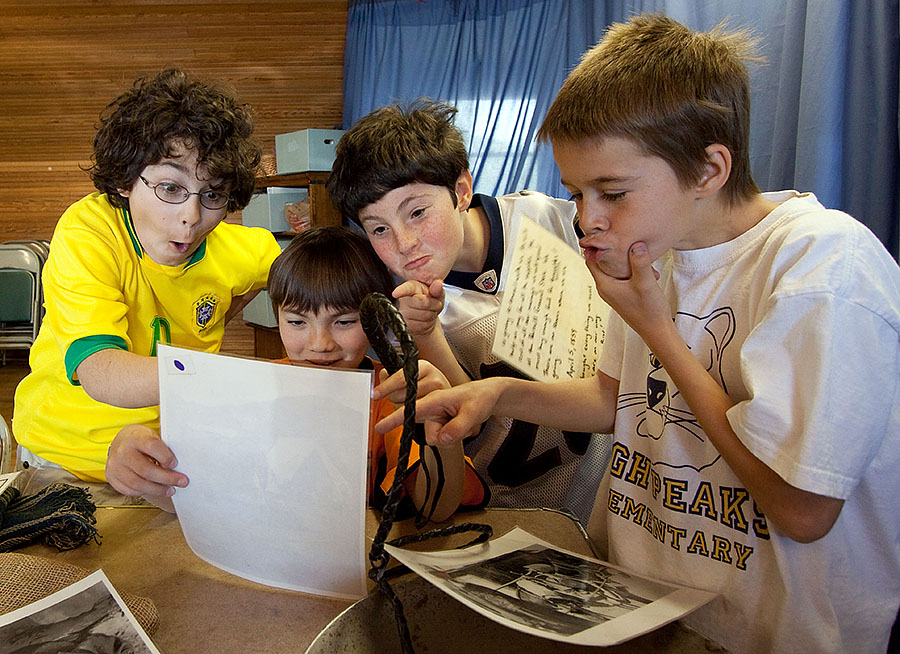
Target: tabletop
{"x":205,"y":609}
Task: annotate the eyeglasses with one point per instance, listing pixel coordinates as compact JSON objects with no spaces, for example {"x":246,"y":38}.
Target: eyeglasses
{"x":172,"y":193}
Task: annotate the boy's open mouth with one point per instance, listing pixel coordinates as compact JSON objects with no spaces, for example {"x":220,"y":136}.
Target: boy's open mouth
{"x":592,"y":253}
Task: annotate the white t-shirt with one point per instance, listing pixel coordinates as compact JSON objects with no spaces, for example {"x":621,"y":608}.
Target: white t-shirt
{"x":799,"y":320}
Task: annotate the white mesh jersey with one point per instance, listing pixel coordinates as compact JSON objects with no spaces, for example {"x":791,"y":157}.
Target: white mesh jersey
{"x":525,"y":465}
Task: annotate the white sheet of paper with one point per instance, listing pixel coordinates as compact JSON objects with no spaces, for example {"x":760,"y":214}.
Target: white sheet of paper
{"x":276,"y":456}
{"x":552,"y":321}
{"x":529,"y":585}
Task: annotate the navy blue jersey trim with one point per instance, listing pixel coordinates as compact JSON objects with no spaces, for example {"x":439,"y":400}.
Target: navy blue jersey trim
{"x":494,"y":261}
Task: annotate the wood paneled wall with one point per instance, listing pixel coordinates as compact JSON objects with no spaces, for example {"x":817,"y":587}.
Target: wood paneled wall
{"x":63,"y":61}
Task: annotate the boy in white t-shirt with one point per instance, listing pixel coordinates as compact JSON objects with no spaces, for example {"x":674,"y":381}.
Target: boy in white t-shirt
{"x":752,"y":374}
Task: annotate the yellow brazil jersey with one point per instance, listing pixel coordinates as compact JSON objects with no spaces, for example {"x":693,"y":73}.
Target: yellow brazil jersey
{"x":100,"y":292}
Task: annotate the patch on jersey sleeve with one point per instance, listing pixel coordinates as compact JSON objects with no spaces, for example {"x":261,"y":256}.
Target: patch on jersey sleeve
{"x":204,"y":310}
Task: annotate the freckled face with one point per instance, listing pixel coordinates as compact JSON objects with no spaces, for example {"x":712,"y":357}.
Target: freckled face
{"x":416,"y":231}
{"x":328,"y":338}
{"x":171,"y":233}
{"x":623,"y":196}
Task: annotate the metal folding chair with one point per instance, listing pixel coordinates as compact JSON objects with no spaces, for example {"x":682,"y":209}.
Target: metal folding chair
{"x":41,"y":247}
{"x":7,"y":458}
{"x":21,"y":299}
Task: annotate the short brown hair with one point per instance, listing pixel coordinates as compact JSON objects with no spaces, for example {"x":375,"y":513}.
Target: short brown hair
{"x":327,"y":267}
{"x":670,"y":90}
{"x":393,"y":146}
{"x":142,"y":126}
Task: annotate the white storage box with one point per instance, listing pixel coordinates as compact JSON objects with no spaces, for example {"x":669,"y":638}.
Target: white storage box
{"x":266,"y":209}
{"x":306,"y":150}
{"x":259,"y":310}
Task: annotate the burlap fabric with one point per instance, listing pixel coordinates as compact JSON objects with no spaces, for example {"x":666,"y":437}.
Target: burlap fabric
{"x":25,"y":578}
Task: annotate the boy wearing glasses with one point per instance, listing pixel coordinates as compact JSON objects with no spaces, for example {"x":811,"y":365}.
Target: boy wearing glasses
{"x":146,"y":259}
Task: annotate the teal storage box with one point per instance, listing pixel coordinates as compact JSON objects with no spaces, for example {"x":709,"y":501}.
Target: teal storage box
{"x":266,"y":209}
{"x":259,"y":310}
{"x":306,"y":150}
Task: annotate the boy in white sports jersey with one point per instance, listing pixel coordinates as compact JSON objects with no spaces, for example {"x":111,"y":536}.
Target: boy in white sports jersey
{"x":402,"y":173}
{"x":752,"y":372}
{"x":146,"y":259}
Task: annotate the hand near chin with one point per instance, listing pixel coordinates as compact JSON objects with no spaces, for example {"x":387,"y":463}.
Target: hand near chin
{"x":638,"y":299}
{"x":420,"y":305}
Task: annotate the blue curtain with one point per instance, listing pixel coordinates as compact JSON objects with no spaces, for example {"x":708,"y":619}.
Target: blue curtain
{"x":825,"y":102}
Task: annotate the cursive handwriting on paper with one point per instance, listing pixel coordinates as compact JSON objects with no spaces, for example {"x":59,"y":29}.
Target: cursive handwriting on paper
{"x":552,"y":322}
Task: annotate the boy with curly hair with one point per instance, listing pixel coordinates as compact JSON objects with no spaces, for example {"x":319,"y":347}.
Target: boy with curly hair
{"x":145,"y":259}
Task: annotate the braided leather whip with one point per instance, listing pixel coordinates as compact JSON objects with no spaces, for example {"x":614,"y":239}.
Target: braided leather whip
{"x":377,"y":312}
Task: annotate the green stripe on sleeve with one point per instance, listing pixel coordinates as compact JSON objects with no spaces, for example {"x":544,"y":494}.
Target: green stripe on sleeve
{"x":85,"y":347}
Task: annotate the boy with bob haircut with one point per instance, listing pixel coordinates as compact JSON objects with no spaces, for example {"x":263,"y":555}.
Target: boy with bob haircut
{"x":752,"y":373}
{"x":146,"y":259}
{"x":402,"y":173}
{"x":317,"y":286}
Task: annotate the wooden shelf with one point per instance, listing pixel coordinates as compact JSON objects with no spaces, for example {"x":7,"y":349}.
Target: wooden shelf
{"x":266,"y":340}
{"x":292,"y":179}
{"x":322,"y":211}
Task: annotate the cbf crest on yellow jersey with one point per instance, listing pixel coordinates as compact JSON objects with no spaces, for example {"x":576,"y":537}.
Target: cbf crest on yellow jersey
{"x":102,"y":291}
{"x":204,"y":310}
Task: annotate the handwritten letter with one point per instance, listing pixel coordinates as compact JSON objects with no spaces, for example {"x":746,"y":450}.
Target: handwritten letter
{"x":552,"y":322}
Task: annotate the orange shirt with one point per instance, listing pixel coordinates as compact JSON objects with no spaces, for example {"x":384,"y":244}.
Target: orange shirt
{"x":384,"y":452}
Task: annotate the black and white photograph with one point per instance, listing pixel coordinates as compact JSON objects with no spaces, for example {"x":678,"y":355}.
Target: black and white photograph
{"x":87,"y":617}
{"x":529,"y":585}
{"x":559,"y":591}
{"x":7,"y":480}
